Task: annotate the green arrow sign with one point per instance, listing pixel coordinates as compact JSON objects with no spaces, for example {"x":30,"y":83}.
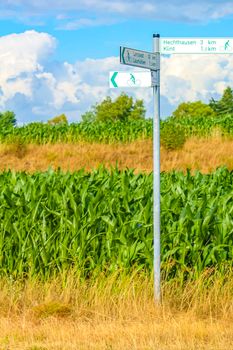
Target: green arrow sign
{"x":113,"y":79}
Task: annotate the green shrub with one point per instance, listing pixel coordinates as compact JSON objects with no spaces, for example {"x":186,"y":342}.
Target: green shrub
{"x":172,"y":138}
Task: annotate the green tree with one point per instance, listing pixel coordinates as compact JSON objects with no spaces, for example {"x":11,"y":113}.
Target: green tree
{"x":60,"y":119}
{"x":138,"y":110}
{"x":7,"y":121}
{"x":123,"y":108}
{"x":225,"y":105}
{"x":193,"y":109}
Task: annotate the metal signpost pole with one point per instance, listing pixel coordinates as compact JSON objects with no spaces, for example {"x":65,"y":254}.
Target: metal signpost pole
{"x":156,"y":169}
{"x":148,"y":60}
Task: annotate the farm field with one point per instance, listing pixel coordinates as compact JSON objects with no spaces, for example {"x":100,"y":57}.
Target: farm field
{"x":101,"y":221}
{"x":76,"y":241}
{"x":110,"y":132}
{"x":116,"y":175}
{"x":77,"y":270}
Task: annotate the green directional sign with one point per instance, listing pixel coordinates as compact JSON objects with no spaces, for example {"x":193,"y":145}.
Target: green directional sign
{"x":129,"y":79}
{"x":138,"y":58}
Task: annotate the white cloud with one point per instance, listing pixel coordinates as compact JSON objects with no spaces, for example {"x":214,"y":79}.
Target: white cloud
{"x":86,"y":22}
{"x":193,"y":77}
{"x":21,"y":56}
{"x":18,"y":51}
{"x":75,"y":14}
{"x":37,"y":89}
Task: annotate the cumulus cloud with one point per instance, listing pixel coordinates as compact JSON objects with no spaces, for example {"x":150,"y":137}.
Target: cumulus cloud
{"x":193,"y":77}
{"x":81,"y":12}
{"x":38,"y":88}
{"x":21,"y":57}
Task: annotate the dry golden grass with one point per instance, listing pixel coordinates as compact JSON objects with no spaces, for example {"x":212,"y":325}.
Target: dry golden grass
{"x":203,"y":154}
{"x":116,"y":313}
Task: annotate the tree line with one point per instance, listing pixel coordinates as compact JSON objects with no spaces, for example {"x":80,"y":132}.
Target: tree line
{"x":125,"y":108}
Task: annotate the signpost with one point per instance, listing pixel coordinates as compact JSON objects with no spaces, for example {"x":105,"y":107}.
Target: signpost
{"x":148,"y":60}
{"x":129,"y":79}
{"x":196,"y":45}
{"x":151,"y":61}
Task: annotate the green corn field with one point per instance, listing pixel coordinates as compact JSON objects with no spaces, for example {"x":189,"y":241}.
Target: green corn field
{"x":112,"y":132}
{"x":102,"y":132}
{"x":102,"y":221}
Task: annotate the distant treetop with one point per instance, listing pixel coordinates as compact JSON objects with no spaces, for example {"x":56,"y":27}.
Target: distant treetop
{"x":193,"y":109}
{"x":123,"y":108}
{"x":60,"y":119}
{"x":225,"y":105}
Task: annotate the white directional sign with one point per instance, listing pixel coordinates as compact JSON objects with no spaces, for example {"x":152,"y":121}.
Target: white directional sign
{"x":129,"y":79}
{"x":139,"y":58}
{"x":196,"y":45}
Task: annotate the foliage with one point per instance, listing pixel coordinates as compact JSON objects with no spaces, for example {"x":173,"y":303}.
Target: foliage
{"x":60,"y":119}
{"x":172,"y":138}
{"x":194,"y":110}
{"x":103,"y":132}
{"x":115,"y":131}
{"x":101,"y":221}
{"x":7,"y":122}
{"x":112,"y":132}
{"x":225,"y":105}
{"x":88,"y":117}
{"x":201,"y":126}
{"x":122,"y":109}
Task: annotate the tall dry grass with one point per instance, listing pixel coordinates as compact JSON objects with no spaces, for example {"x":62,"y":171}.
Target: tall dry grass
{"x":116,"y":312}
{"x":203,"y":154}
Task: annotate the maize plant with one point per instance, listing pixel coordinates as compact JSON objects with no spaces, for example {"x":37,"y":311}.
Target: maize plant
{"x":102,"y":221}
{"x":112,"y":132}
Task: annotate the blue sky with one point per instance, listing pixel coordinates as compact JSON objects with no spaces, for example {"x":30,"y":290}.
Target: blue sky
{"x":55,"y":55}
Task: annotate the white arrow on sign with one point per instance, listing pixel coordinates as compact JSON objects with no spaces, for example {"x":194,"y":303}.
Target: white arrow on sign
{"x":196,"y":45}
{"x":139,"y":58}
{"x":129,"y":79}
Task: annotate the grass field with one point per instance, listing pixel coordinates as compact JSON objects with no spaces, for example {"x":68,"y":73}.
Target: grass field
{"x":117,"y":312}
{"x":202,"y":154}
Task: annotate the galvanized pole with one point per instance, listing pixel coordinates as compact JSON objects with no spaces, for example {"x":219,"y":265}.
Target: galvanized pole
{"x":156,"y":168}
